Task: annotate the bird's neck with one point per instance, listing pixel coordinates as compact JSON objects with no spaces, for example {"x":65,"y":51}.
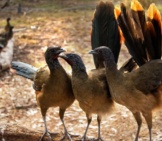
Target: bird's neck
{"x":113,"y":74}
{"x":79,"y":72}
{"x":53,"y":65}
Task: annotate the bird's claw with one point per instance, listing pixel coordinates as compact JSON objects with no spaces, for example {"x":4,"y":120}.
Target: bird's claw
{"x":66,"y":136}
{"x":99,"y":139}
{"x":84,"y":138}
{"x":48,"y":134}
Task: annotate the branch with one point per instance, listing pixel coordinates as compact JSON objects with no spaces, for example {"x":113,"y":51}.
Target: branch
{"x":14,"y":132}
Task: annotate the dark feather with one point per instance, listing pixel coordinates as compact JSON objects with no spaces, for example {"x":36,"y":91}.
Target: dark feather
{"x":133,"y":37}
{"x":105,"y":31}
{"x":24,"y":69}
{"x":155,"y":18}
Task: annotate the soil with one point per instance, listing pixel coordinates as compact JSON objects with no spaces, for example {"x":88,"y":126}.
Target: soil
{"x":37,"y":28}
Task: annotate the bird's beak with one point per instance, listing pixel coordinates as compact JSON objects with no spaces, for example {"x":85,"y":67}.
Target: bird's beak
{"x":92,"y":52}
{"x":61,"y":50}
{"x":63,"y":56}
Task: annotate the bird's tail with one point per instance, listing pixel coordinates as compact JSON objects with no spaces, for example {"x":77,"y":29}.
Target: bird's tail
{"x":24,"y":69}
{"x":105,"y":31}
{"x":142,"y":37}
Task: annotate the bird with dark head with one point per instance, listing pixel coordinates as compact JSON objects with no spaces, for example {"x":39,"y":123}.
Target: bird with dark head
{"x":143,"y":40}
{"x":7,"y":34}
{"x":90,"y":90}
{"x":139,"y":90}
{"x":52,"y":87}
{"x":7,"y":26}
{"x":57,"y":91}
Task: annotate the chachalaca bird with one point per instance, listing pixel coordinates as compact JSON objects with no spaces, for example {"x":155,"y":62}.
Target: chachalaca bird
{"x":91,"y":89}
{"x":139,"y":90}
{"x":7,"y":34}
{"x":52,"y":87}
{"x":143,"y":40}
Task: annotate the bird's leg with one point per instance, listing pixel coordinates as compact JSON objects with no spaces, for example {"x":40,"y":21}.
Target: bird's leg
{"x":89,"y":119}
{"x":138,"y":118}
{"x":46,"y":130}
{"x":148,"y":118}
{"x":99,"y":129}
{"x":66,"y":134}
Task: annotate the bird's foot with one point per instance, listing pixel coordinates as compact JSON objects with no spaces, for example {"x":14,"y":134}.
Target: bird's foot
{"x":99,"y":139}
{"x":67,"y":136}
{"x":84,"y":138}
{"x":48,"y":134}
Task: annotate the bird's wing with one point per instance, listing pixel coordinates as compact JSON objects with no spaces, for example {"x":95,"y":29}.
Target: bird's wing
{"x":41,"y":77}
{"x":148,"y":77}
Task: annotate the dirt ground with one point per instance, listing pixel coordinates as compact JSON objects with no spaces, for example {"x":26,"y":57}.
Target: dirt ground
{"x":36,"y":29}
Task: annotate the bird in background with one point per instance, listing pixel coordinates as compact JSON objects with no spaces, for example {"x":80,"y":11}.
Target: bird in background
{"x":52,"y":86}
{"x":139,"y":90}
{"x":7,"y":34}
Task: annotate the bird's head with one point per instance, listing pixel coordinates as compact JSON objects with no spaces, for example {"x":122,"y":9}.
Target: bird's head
{"x":8,"y":19}
{"x":71,"y":58}
{"x":52,"y":53}
{"x":74,"y":60}
{"x":103,"y":52}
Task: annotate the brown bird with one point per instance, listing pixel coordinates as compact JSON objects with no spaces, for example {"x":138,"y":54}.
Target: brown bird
{"x":143,"y":40}
{"x":90,"y":89}
{"x":53,"y":86}
{"x":139,"y":90}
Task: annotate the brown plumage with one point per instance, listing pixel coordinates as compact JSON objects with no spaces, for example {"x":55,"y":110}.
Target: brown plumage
{"x":56,"y":90}
{"x":52,"y":85}
{"x":143,"y":40}
{"x":139,"y":91}
{"x":90,"y":89}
